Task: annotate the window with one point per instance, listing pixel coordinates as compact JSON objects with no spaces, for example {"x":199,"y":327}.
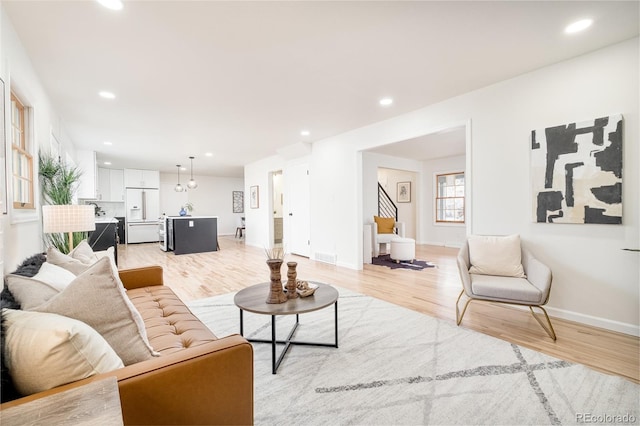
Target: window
{"x":450,"y":198}
{"x":22,"y":159}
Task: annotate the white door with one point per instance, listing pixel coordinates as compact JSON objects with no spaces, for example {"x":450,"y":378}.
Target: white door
{"x":298,"y":213}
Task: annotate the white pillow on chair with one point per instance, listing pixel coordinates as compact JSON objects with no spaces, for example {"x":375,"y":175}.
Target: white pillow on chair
{"x":496,"y":255}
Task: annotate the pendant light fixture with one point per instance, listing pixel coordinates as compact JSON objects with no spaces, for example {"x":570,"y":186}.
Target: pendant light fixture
{"x":178,"y":188}
{"x":192,"y":184}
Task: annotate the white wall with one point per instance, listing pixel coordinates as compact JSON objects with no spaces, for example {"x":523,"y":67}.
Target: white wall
{"x":212,"y":197}
{"x":594,"y":280}
{"x":441,"y":234}
{"x":389,"y":179}
{"x":22,"y":236}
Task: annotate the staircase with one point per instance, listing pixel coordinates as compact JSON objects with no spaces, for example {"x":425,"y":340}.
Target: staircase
{"x":386,"y":206}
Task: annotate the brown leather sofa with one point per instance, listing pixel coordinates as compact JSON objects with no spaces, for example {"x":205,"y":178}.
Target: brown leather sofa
{"x":198,"y":379}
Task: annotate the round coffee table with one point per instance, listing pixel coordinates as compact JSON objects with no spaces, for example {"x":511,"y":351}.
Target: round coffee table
{"x":253,"y":299}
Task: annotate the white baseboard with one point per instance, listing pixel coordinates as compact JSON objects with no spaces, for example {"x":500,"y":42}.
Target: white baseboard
{"x":442,"y":244}
{"x":591,"y":320}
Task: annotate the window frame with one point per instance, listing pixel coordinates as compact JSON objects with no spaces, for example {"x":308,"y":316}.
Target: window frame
{"x":438,"y":198}
{"x":21,"y":150}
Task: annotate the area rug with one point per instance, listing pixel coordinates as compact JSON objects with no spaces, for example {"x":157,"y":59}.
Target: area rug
{"x":385,"y":260}
{"x":397,"y":366}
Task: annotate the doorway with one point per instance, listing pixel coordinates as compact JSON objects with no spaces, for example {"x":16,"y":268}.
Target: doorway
{"x":277,"y":203}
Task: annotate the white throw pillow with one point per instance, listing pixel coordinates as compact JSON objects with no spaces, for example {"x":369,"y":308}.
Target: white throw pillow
{"x":97,"y":298}
{"x":57,"y":277}
{"x":496,"y":255}
{"x":43,"y":351}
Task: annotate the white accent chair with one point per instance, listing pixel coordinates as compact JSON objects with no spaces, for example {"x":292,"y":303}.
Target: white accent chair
{"x":379,"y":240}
{"x":532,"y":290}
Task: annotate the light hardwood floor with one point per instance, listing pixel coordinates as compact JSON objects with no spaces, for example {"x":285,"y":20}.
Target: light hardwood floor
{"x":432,"y":291}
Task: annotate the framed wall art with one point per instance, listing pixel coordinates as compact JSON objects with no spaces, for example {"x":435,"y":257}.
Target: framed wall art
{"x":238,"y":201}
{"x":254,"y":197}
{"x":404,"y":192}
{"x":576,"y":172}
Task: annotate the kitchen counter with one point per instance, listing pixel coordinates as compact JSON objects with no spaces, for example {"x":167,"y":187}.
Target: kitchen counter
{"x":103,"y":219}
{"x":193,"y":217}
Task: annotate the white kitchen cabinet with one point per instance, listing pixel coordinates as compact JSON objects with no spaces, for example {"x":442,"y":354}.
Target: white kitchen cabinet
{"x":137,"y":178}
{"x":88,"y":180}
{"x":110,"y":185}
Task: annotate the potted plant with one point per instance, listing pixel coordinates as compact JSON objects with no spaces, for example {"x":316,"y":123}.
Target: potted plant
{"x":58,"y":183}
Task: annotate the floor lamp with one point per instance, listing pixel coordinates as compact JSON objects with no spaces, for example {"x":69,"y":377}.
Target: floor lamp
{"x":68,"y":218}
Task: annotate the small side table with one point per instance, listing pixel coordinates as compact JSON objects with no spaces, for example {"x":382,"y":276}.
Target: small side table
{"x":94,"y":404}
{"x":252,"y":299}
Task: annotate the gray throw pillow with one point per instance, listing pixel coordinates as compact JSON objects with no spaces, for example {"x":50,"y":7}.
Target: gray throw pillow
{"x":97,"y":298}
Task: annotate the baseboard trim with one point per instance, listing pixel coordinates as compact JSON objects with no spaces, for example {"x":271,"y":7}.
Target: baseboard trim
{"x":443,"y":244}
{"x":607,"y":324}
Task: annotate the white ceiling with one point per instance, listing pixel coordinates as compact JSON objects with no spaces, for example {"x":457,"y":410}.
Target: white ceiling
{"x":242,"y":79}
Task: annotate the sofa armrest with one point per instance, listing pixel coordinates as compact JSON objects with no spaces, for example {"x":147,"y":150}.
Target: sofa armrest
{"x":141,"y":277}
{"x":207,"y":384}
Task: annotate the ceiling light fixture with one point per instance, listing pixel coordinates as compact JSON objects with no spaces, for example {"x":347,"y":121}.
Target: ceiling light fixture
{"x":209,"y":154}
{"x":192,"y":184}
{"x":108,"y":143}
{"x":178,"y":187}
{"x":106,"y":95}
{"x":578,"y":26}
{"x":107,"y":163}
{"x":386,"y":101}
{"x":111,"y":4}
{"x":305,"y":133}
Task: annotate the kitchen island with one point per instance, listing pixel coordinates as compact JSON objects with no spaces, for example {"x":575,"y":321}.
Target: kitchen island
{"x":192,"y":234}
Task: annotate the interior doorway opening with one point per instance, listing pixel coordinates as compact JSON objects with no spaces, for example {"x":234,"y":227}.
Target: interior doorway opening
{"x":277,"y":204}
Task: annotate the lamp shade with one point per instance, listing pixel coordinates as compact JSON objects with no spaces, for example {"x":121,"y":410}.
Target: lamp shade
{"x":68,"y":218}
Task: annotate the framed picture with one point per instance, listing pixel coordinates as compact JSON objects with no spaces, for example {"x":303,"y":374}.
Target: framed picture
{"x":404,"y":192}
{"x":4,"y":189}
{"x":254,"y":194}
{"x":238,"y":201}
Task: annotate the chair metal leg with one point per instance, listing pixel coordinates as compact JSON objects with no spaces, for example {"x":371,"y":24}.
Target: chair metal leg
{"x":550,"y":331}
{"x":458,"y":316}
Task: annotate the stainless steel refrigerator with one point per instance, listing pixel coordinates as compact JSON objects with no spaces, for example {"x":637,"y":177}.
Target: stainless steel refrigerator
{"x":143,"y":215}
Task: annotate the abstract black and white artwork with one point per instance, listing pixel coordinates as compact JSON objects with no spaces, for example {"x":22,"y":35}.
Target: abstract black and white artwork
{"x":576,"y":172}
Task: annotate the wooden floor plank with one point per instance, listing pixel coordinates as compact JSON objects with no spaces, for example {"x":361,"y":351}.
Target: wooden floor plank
{"x":432,"y":291}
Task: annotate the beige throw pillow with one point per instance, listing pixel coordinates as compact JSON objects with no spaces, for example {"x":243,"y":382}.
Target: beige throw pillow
{"x":43,"y":351}
{"x":67,"y":262}
{"x":97,"y":298}
{"x":496,"y":255}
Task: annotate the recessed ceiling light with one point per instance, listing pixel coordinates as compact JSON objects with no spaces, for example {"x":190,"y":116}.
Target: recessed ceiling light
{"x":386,"y":101}
{"x":107,"y":95}
{"x":111,"y":4}
{"x":209,"y":154}
{"x":305,"y":133}
{"x":578,"y":26}
{"x":107,"y":163}
{"x":107,"y":143}
{"x":183,"y":168}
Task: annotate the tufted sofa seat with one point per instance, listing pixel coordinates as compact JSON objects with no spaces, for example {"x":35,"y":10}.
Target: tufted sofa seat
{"x":170,"y":326}
{"x":197,"y":379}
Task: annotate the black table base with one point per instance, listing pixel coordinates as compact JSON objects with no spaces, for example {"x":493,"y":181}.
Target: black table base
{"x":288,"y":342}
